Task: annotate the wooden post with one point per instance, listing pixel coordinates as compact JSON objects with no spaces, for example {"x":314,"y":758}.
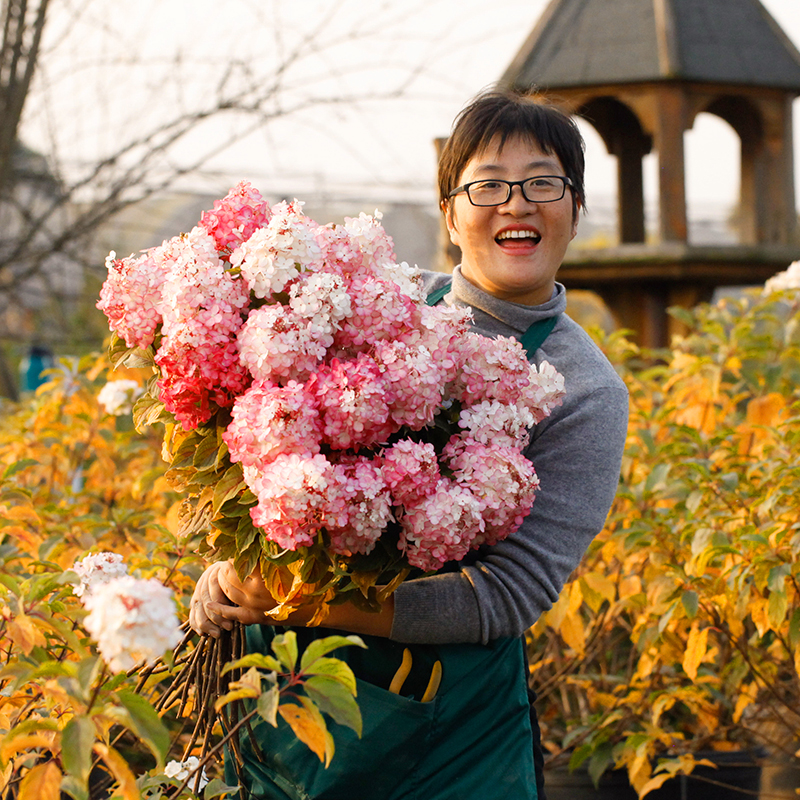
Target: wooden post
{"x":670,"y":123}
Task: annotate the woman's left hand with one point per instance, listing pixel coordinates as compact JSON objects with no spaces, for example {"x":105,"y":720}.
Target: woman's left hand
{"x":217,"y":590}
{"x":221,"y":598}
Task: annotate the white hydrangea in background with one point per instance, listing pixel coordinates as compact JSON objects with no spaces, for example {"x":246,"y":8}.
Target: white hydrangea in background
{"x":788,"y":279}
{"x":132,"y":620}
{"x":118,"y":397}
{"x":181,"y":770}
{"x":96,"y":569}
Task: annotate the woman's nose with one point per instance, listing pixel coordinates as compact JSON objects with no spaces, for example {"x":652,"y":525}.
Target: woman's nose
{"x":517,"y":203}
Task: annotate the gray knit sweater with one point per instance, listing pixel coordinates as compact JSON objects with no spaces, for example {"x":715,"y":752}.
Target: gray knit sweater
{"x":576,"y":453}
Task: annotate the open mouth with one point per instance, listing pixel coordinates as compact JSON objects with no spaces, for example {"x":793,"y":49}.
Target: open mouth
{"x":526,"y":237}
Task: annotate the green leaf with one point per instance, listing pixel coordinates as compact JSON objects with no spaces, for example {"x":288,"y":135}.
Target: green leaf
{"x":74,"y":788}
{"x":267,"y":705}
{"x":336,"y":669}
{"x":332,"y":698}
{"x":88,"y":670}
{"x":147,"y":411}
{"x":691,"y":603}
{"x":321,"y":647}
{"x":777,"y":577}
{"x":143,"y":720}
{"x":76,"y":748}
{"x":285,"y":648}
{"x":776,"y":609}
{"x":259,"y":660}
{"x":600,"y":761}
{"x":216,"y":788}
{"x":228,"y":486}
{"x":184,"y":455}
{"x":205,"y":455}
{"x":579,"y":755}
{"x":18,"y":466}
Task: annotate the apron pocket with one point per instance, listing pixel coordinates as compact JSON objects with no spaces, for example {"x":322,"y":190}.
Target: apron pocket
{"x":380,"y":764}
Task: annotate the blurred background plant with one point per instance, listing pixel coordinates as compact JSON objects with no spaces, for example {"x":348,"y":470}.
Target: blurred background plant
{"x":679,"y":633}
{"x":77,"y":478}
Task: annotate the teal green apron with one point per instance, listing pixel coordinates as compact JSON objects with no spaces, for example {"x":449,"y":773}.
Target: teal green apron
{"x":473,"y":740}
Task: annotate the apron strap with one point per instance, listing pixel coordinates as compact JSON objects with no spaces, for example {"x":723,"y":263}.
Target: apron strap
{"x":531,"y":340}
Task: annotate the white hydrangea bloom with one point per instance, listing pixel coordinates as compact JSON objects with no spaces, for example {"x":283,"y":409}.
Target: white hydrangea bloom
{"x":788,"y":279}
{"x":118,"y":397}
{"x":181,"y":770}
{"x":132,"y":620}
{"x":97,"y":569}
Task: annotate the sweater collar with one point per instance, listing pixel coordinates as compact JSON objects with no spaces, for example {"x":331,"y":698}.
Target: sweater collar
{"x":515,"y":315}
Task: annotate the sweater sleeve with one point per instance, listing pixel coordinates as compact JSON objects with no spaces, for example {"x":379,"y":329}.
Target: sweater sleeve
{"x":576,"y":454}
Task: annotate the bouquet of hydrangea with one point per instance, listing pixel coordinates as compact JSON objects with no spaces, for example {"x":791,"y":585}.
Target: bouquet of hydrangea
{"x":324,"y":422}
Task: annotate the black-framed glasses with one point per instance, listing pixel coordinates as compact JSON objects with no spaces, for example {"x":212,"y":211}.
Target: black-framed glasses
{"x":495,"y":191}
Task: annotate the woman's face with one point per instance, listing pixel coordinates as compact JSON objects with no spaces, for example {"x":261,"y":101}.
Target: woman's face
{"x":512,"y":251}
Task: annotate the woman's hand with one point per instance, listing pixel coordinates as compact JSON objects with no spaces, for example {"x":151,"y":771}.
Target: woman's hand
{"x":220,"y":599}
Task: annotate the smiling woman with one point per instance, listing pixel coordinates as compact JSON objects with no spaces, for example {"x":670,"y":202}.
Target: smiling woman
{"x":464,"y":623}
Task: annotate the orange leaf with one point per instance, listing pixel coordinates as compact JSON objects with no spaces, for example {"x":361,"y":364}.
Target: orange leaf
{"x":120,"y":770}
{"x":26,"y":741}
{"x":767,"y":410}
{"x":696,"y":647}
{"x":24,"y":634}
{"x":43,"y":782}
{"x":308,"y":728}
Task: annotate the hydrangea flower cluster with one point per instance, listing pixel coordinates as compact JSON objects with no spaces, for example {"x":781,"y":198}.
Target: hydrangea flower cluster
{"x":133,"y":621}
{"x":118,"y":397}
{"x":334,"y":375}
{"x":789,"y":279}
{"x":97,"y":569}
{"x":183,"y":770}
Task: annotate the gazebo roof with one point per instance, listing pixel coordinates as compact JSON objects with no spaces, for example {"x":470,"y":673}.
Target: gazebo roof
{"x":595,"y":42}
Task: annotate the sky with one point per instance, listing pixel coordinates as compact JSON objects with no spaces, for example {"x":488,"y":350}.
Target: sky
{"x":109,"y":70}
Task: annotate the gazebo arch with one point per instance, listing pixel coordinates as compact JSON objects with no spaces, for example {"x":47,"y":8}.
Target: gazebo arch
{"x":624,"y":137}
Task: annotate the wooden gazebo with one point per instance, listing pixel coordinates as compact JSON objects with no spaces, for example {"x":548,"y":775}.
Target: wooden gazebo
{"x":640,"y":71}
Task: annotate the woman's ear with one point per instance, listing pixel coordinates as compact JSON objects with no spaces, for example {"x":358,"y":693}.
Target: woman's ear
{"x":449,"y":218}
{"x":575,"y":217}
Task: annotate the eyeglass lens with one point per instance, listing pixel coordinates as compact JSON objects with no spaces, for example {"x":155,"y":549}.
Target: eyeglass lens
{"x":536,"y":190}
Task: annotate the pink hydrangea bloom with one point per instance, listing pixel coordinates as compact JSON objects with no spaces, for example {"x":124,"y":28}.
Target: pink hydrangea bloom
{"x":491,"y":422}
{"x":490,"y":369}
{"x":411,"y":470}
{"x":200,"y":369}
{"x":269,"y":420}
{"x":293,"y":494}
{"x":131,"y":297}
{"x":503,"y":479}
{"x":276,"y":343}
{"x":368,"y":233}
{"x":351,"y":396}
{"x":415,"y":383}
{"x":202,"y":307}
{"x":340,"y":251}
{"x":545,"y":393}
{"x":379,"y":311}
{"x":275,"y":255}
{"x":97,"y":569}
{"x":440,"y":527}
{"x":439,"y":330}
{"x":235,"y":217}
{"x":360,"y":508}
{"x":321,"y":298}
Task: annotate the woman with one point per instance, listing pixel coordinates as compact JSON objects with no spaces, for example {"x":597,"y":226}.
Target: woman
{"x":511,"y":188}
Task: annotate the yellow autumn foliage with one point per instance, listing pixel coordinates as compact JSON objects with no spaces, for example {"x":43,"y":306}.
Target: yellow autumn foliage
{"x":700,"y":647}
